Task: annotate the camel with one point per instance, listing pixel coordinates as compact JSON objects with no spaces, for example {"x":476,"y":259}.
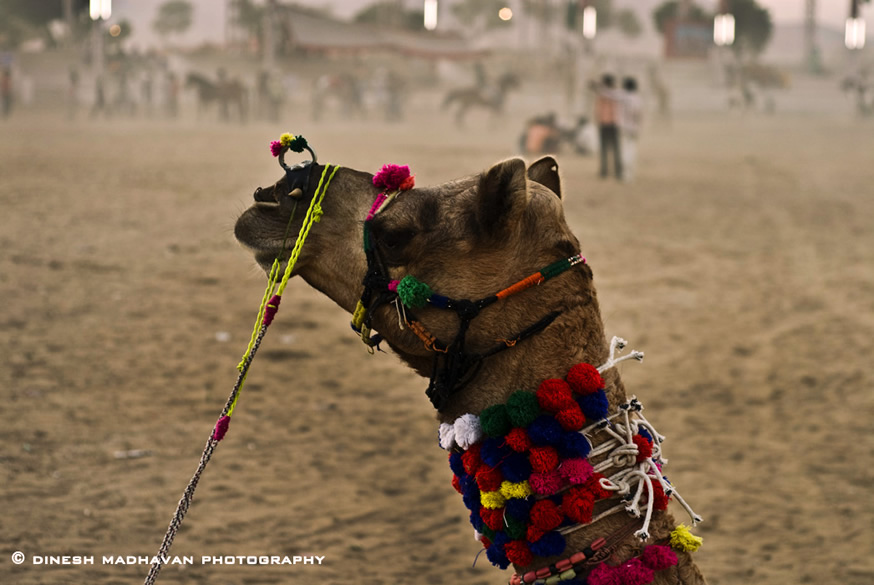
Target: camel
{"x":466,"y":239}
{"x":491,"y":98}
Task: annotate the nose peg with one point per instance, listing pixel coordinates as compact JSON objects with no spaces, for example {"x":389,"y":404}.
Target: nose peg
{"x":263,"y":196}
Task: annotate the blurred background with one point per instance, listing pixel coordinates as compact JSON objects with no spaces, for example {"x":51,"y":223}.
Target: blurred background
{"x":736,"y":250}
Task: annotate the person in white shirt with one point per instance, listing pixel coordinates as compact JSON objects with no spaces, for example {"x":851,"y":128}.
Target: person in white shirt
{"x":630,"y":115}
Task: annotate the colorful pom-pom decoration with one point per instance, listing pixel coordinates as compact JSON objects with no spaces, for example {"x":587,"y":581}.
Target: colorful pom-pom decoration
{"x":275,"y":148}
{"x":554,"y":395}
{"x":658,"y":558}
{"x":413,"y":292}
{"x":685,"y":541}
{"x":393,"y":178}
{"x":584,"y":379}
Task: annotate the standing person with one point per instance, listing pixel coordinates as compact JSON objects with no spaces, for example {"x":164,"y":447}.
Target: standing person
{"x":99,"y":106}
{"x":172,"y":95}
{"x":73,"y":94}
{"x":630,"y":119}
{"x":6,"y":92}
{"x":607,"y":111}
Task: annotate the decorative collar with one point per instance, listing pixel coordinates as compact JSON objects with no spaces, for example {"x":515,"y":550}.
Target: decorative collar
{"x":527,"y":471}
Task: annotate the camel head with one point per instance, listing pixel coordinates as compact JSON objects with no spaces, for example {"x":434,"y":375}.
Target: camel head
{"x":467,"y":239}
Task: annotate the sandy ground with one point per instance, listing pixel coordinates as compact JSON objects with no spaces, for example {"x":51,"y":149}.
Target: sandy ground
{"x":741,"y":261}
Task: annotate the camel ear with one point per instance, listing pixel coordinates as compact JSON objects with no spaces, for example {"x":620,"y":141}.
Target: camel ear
{"x":503,"y":195}
{"x":545,"y":172}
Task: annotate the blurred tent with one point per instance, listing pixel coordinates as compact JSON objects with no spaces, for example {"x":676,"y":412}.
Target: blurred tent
{"x":321,"y":35}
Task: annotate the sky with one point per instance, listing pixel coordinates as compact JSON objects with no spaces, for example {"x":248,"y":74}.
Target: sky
{"x":209,"y":14}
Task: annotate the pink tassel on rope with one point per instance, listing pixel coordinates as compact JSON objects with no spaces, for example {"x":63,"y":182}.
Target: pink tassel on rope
{"x":394,"y":178}
{"x":221,"y":427}
{"x":271,"y":309}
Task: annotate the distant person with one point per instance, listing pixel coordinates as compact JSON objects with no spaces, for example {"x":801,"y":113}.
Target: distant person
{"x":541,"y":136}
{"x":73,"y":94}
{"x":146,"y":93}
{"x":99,"y":106}
{"x":608,"y":102}
{"x":172,"y":96}
{"x":6,"y":92}
{"x":630,"y":117}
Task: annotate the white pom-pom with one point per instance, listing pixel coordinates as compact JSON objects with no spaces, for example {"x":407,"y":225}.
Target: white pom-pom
{"x":447,"y":436}
{"x":477,"y":535}
{"x":467,"y":430}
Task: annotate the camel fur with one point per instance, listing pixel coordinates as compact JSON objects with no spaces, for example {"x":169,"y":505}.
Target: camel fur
{"x":466,"y":238}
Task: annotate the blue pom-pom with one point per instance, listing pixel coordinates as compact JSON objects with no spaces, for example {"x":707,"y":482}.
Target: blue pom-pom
{"x":594,"y":405}
{"x":516,"y":468}
{"x":476,"y":520}
{"x":545,"y":430}
{"x":496,"y":556}
{"x":492,"y":452}
{"x":550,"y":544}
{"x":500,"y":538}
{"x":519,"y":508}
{"x":455,"y":463}
{"x":644,"y":433}
{"x":470,"y":492}
{"x":573,"y":444}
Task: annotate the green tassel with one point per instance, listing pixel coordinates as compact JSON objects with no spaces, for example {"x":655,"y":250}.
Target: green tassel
{"x":494,"y":421}
{"x":413,"y":293}
{"x":522,"y":408}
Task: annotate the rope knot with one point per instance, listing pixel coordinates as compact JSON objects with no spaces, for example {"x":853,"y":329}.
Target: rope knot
{"x":318,"y":212}
{"x":467,"y":309}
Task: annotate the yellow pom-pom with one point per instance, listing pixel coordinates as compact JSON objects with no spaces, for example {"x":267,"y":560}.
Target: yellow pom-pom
{"x":512,"y":490}
{"x":286,"y":139}
{"x":492,"y":500}
{"x":683,"y":540}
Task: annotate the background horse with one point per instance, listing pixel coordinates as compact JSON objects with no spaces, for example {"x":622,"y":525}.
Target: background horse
{"x":225,"y":92}
{"x":489,"y":96}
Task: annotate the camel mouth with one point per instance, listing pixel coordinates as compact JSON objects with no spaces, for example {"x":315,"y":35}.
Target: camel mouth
{"x":261,"y":231}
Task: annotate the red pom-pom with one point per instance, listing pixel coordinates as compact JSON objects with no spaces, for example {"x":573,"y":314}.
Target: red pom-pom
{"x":533,"y":534}
{"x":543,"y":459}
{"x":593,"y":486}
{"x":456,"y":483}
{"x":644,"y":448}
{"x":545,"y":515}
{"x":554,"y":395}
{"x":660,"y":500}
{"x":577,"y":505}
{"x":488,"y":479}
{"x":486,"y":542}
{"x":471,"y":459}
{"x":518,"y":553}
{"x":518,"y":440}
{"x":545,"y":484}
{"x":585,"y":379}
{"x":571,"y":418}
{"x":408,"y":183}
{"x":494,"y":519}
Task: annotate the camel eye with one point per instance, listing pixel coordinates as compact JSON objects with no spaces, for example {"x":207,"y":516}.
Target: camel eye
{"x":395,"y":239}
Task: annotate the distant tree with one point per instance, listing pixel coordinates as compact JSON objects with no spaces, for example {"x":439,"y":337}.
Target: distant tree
{"x":174,"y":16}
{"x":388,"y":13}
{"x":667,"y":12}
{"x":752,"y":26}
{"x":628,"y":23}
{"x":479,"y":14}
{"x":22,"y":19}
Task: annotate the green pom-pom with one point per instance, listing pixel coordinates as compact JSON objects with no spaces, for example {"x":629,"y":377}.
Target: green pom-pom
{"x":413,"y":293}
{"x":297,"y":144}
{"x":488,"y":532}
{"x":522,"y":408}
{"x":494,"y":420}
{"x":515,"y":529}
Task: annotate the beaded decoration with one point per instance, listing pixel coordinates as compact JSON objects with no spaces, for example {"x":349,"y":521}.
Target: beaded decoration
{"x":524,"y":472}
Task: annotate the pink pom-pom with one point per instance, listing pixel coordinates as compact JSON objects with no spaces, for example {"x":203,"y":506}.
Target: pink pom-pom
{"x":604,"y":574}
{"x":391,"y":177}
{"x":658,"y":557}
{"x":545,"y":484}
{"x":576,"y":471}
{"x":221,"y":427}
{"x":393,"y":285}
{"x":275,"y":148}
{"x":635,"y":573}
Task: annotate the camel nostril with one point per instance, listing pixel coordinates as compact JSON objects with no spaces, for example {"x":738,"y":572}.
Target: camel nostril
{"x":263,"y":196}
